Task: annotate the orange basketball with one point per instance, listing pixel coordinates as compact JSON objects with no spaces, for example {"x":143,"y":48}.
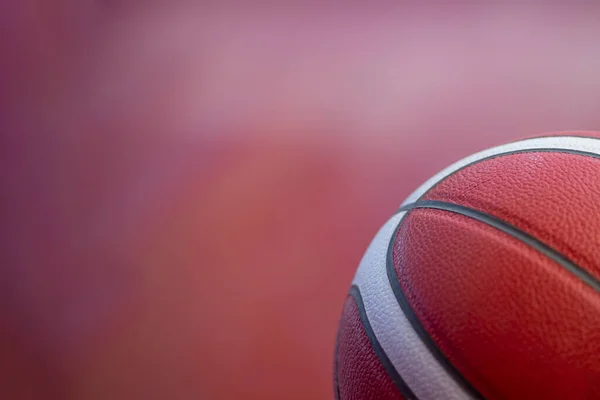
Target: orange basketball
{"x":485,"y":284}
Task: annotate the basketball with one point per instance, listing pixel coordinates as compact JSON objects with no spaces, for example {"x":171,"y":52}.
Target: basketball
{"x":484,"y":284}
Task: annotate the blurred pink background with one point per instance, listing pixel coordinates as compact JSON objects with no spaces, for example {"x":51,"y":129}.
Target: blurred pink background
{"x":188,"y":189}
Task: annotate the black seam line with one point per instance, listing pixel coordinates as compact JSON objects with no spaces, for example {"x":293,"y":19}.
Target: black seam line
{"x":395,"y":282}
{"x":416,"y":323}
{"x":385,"y":361}
{"x":513,"y":231}
{"x":510,"y":153}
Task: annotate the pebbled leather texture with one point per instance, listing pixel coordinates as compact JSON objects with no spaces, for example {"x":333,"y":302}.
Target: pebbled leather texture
{"x":555,"y":197}
{"x":587,"y":144}
{"x":412,"y":360}
{"x":360,"y":374}
{"x":516,"y":324}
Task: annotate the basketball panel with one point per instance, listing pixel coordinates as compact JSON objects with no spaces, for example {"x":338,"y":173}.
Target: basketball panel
{"x":360,"y":373}
{"x":515,"y":323}
{"x":553,"y":196}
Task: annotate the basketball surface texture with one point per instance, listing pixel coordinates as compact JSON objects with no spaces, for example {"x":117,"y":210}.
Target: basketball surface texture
{"x":485,"y":284}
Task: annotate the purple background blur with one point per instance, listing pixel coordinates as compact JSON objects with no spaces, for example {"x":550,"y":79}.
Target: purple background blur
{"x":188,"y":189}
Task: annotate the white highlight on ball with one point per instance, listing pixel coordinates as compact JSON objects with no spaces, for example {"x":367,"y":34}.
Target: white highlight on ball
{"x":589,"y":145}
{"x":421,"y":371}
{"x":412,"y":359}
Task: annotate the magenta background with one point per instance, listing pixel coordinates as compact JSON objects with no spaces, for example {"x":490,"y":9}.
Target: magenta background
{"x":188,"y":189}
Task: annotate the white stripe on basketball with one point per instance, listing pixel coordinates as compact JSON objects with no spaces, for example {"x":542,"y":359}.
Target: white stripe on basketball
{"x":590,"y":145}
{"x":416,"y":365}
